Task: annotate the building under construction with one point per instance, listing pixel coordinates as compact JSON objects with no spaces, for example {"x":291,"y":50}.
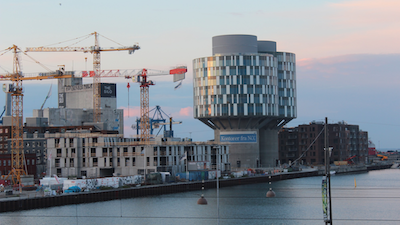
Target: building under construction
{"x":75,"y":107}
{"x":67,"y":142}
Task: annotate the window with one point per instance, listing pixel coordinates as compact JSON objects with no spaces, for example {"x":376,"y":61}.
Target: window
{"x":125,"y":151}
{"x":232,"y":70}
{"x":228,"y":60}
{"x":126,"y":161}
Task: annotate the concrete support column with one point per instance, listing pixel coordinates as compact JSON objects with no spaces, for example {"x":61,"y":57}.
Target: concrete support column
{"x":268,"y":139}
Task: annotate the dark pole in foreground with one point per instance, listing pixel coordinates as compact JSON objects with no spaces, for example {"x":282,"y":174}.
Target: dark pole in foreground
{"x":327,"y":171}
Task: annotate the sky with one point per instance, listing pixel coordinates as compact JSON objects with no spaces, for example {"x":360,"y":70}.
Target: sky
{"x":347,"y":53}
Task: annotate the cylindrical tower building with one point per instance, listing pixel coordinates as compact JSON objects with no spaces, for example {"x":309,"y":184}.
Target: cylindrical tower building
{"x":246,"y":92}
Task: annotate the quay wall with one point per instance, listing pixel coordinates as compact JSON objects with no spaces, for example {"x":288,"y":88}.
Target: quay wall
{"x":24,"y":203}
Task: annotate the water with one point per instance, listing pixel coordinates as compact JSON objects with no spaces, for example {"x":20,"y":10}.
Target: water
{"x":375,"y":200}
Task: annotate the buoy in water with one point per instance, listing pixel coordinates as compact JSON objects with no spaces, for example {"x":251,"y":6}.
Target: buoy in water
{"x":270,"y":193}
{"x":202,"y":200}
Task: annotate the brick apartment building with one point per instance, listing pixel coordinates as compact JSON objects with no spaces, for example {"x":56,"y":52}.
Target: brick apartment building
{"x":347,"y":141}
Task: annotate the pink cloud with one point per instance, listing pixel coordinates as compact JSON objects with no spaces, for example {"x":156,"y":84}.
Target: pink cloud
{"x":188,"y":111}
{"x":361,"y":70}
{"x":368,"y":4}
{"x":131,"y":112}
{"x":367,"y":13}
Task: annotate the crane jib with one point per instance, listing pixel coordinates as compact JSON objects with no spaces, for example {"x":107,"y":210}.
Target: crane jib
{"x":178,"y":70}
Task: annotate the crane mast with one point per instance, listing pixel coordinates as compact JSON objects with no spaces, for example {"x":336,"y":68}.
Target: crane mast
{"x":17,"y":149}
{"x":144,"y":107}
{"x":96,"y":81}
{"x":16,"y":90}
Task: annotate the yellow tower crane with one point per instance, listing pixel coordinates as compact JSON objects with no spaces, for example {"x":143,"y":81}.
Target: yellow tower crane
{"x":16,"y":90}
{"x":95,"y":50}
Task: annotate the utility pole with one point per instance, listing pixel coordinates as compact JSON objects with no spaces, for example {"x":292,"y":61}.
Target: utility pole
{"x":328,"y":220}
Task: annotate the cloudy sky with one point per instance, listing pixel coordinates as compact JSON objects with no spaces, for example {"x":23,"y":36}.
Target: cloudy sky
{"x":348,"y":52}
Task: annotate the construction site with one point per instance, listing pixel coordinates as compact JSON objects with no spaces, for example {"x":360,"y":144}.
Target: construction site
{"x":84,"y":136}
{"x":245,"y":93}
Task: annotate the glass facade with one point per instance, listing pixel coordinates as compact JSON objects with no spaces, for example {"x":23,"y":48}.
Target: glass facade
{"x":245,"y":85}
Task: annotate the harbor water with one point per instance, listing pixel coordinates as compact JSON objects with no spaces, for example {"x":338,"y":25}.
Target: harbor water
{"x":375,"y":199}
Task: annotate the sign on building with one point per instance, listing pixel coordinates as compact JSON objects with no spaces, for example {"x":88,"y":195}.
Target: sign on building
{"x":238,"y":137}
{"x":108,"y":90}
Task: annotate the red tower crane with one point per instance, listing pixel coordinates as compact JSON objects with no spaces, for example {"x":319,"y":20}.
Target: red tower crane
{"x":144,"y":98}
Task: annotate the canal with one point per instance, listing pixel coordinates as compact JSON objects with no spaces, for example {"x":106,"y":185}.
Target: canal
{"x":373,"y":200}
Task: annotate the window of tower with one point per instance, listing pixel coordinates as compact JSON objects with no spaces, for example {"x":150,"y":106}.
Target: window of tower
{"x":232,"y":70}
{"x":228,"y":61}
{"x":247,"y":60}
{"x":242,"y":70}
